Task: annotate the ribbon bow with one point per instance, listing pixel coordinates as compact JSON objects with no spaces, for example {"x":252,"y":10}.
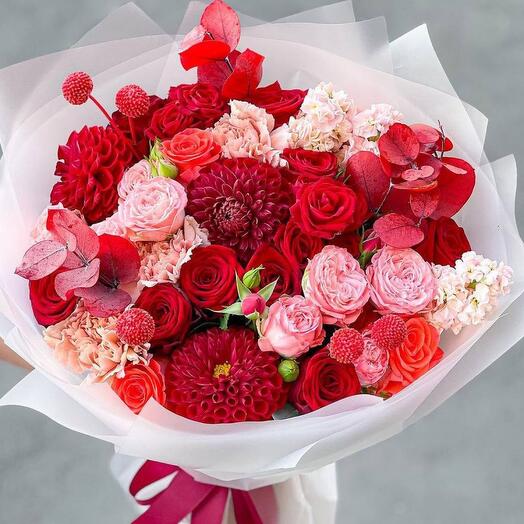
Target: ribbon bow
{"x":185,"y":495}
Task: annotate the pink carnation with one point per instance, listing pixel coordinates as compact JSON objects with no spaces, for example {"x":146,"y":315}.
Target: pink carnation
{"x":136,"y":174}
{"x":335,"y":283}
{"x":292,"y":327}
{"x":401,"y":281}
{"x":245,"y":132}
{"x":372,"y":364}
{"x":154,"y":209}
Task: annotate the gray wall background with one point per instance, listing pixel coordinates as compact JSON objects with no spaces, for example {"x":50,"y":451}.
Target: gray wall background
{"x":462,"y":464}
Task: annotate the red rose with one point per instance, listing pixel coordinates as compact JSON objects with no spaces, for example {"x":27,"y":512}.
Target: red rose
{"x":276,"y":266}
{"x":208,"y":279}
{"x":171,"y":311}
{"x":444,"y":242}
{"x":322,"y":381}
{"x":139,"y":384}
{"x":307,"y":166}
{"x":203,"y":101}
{"x":48,"y":307}
{"x":281,"y":103}
{"x":90,"y":166}
{"x":328,"y":207}
{"x":295,"y":245}
{"x":350,"y":241}
{"x":169,"y":120}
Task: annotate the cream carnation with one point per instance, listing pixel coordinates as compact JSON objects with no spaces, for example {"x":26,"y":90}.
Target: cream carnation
{"x":375,"y":121}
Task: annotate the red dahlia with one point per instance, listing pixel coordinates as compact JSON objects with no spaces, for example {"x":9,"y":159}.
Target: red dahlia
{"x":90,"y":166}
{"x":241,"y":203}
{"x":221,"y":376}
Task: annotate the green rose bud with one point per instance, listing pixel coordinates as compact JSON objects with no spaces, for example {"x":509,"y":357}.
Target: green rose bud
{"x":252,"y":277}
{"x":159,"y":166}
{"x":289,"y":370}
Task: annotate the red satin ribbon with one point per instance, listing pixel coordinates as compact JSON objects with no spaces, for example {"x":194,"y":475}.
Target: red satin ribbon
{"x":185,"y":495}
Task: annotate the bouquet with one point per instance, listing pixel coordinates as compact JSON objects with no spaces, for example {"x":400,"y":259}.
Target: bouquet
{"x":253,"y":271}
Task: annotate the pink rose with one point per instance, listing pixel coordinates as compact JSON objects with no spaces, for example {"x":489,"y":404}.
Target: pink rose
{"x":245,"y":132}
{"x":154,"y":209}
{"x":335,"y":283}
{"x":110,"y":226}
{"x":372,"y":364}
{"x":401,"y":281}
{"x":136,"y":174}
{"x":292,"y":327}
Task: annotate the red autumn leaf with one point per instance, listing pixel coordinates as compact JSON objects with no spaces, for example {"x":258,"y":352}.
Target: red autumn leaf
{"x":455,"y":190}
{"x":119,"y":260}
{"x":222,"y":22}
{"x":399,"y":145}
{"x":216,"y":73}
{"x":366,"y":174}
{"x":246,"y":76}
{"x":416,"y":185}
{"x":42,"y":259}
{"x":424,"y":205}
{"x":85,"y":276}
{"x":398,"y":231}
{"x":103,"y":301}
{"x":204,"y":53}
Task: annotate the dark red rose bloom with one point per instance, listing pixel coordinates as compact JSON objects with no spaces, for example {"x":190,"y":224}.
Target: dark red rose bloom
{"x":172,"y":314}
{"x":322,"y":381}
{"x":240,"y":202}
{"x":90,"y":166}
{"x":308,"y":166}
{"x":281,"y":103}
{"x":295,"y":245}
{"x":222,"y":376}
{"x":444,"y":242}
{"x":350,"y":241}
{"x":139,"y":125}
{"x":276,"y":265}
{"x":203,"y":101}
{"x":139,"y":384}
{"x":48,"y":307}
{"x":208,"y":279}
{"x":327,"y":207}
{"x":169,"y":120}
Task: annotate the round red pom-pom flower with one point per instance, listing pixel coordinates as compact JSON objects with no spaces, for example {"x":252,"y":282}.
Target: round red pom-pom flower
{"x":208,"y":279}
{"x":171,"y":312}
{"x":135,"y":327}
{"x":221,"y":376}
{"x":139,"y":384}
{"x":132,"y":101}
{"x":240,"y":202}
{"x":77,"y":87}
{"x":346,"y":345}
{"x":90,"y":166}
{"x":389,"y":332}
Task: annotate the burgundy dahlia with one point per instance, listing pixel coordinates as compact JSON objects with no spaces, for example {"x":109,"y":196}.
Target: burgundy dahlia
{"x":241,"y":203}
{"x":222,"y":376}
{"x":90,"y":166}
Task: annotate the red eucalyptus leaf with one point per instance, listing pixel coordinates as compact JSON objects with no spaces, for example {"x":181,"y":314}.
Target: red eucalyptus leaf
{"x":42,"y":259}
{"x":426,"y":135}
{"x":245,"y":77}
{"x":416,"y":185}
{"x":119,"y":260}
{"x":398,"y":231}
{"x":424,"y":205}
{"x":216,"y":73}
{"x":399,"y":145}
{"x":204,"y":53}
{"x":103,"y":301}
{"x":418,"y":174}
{"x":222,"y":22}
{"x":85,"y":276}
{"x":367,"y":175}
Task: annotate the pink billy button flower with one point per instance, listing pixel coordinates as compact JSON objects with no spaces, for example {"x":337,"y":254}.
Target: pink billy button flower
{"x":135,"y":327}
{"x":77,"y":88}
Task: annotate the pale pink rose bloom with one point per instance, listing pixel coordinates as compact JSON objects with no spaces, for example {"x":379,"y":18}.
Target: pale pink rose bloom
{"x":245,"y":132}
{"x":401,"y":281}
{"x":161,"y":261}
{"x":154,"y":209}
{"x":84,"y":343}
{"x":136,"y":174}
{"x":335,"y":282}
{"x":110,"y":226}
{"x":372,"y":364}
{"x":292,"y":327}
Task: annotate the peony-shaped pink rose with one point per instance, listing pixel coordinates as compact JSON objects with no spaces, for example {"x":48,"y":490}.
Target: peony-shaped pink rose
{"x":372,"y":364}
{"x":136,"y":174}
{"x":110,"y":226}
{"x":246,"y":132}
{"x":401,"y":281}
{"x":154,"y":209}
{"x":292,"y":327}
{"x":334,"y":281}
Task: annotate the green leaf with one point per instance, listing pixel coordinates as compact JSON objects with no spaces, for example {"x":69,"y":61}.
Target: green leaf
{"x":233,"y":309}
{"x":243,"y":290}
{"x":267,"y":291}
{"x":224,"y":322}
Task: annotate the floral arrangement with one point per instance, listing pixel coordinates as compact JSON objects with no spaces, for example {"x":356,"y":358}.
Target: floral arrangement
{"x":240,"y":252}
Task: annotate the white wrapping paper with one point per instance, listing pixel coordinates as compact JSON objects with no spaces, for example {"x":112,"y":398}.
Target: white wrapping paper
{"x":357,"y":57}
